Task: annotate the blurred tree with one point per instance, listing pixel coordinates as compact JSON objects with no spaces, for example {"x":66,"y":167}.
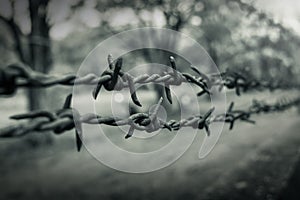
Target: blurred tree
{"x":33,"y":48}
{"x":271,"y":45}
{"x":40,"y":47}
{"x":30,"y":23}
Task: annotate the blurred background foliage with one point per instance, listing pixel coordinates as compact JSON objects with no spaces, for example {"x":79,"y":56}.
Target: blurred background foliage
{"x":235,"y":38}
{"x":56,"y":36}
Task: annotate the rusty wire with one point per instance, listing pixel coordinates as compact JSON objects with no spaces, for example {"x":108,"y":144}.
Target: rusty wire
{"x":66,"y":118}
{"x":113,"y":78}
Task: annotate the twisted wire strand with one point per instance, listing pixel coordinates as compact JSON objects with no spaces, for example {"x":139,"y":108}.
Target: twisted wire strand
{"x":66,"y":118}
{"x":17,"y":76}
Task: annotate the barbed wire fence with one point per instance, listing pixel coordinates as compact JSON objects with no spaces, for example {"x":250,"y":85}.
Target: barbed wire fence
{"x":67,"y":118}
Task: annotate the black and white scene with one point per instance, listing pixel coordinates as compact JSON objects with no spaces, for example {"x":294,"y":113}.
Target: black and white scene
{"x":150,"y":99}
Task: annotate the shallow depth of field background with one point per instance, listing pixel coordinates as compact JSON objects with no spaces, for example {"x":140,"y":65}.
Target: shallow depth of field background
{"x":260,"y":161}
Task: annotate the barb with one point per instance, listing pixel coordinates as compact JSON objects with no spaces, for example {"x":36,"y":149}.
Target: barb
{"x":65,"y":119}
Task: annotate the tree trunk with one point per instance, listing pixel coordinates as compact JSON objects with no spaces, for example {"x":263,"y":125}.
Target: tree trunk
{"x":40,"y":60}
{"x":40,"y":48}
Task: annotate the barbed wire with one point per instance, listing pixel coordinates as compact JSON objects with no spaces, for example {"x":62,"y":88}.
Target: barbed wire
{"x":67,"y":118}
{"x":113,"y":78}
